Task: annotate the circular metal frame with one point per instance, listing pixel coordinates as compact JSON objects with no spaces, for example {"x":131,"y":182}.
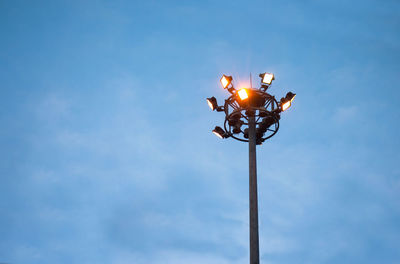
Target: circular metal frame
{"x":270,"y":109}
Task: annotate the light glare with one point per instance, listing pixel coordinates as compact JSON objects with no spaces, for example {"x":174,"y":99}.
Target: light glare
{"x":243,"y":94}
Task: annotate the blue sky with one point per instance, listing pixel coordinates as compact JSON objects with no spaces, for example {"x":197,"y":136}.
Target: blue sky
{"x":107,"y":154}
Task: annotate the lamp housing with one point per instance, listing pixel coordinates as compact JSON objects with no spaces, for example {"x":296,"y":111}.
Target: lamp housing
{"x":285,"y":104}
{"x":267,"y":78}
{"x":243,"y":94}
{"x":212,"y":103}
{"x":290,"y":96}
{"x":219,"y":132}
{"x":226,"y":81}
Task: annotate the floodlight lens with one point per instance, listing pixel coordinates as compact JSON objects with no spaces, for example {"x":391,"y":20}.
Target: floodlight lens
{"x":212,"y":103}
{"x":243,"y":94}
{"x":219,"y":132}
{"x":225,"y":81}
{"x":286,"y":105}
{"x":267,"y":78}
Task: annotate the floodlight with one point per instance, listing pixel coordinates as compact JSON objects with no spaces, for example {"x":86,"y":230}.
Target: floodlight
{"x":212,"y":103}
{"x":219,"y":132}
{"x":243,"y":94}
{"x":225,"y":81}
{"x":290,"y":96}
{"x":267,"y":78}
{"x":287,"y":101}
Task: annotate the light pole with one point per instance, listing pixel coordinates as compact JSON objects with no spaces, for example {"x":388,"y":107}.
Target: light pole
{"x":251,"y":115}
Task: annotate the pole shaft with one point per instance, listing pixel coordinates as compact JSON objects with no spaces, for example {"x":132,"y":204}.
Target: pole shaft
{"x":253,"y":203}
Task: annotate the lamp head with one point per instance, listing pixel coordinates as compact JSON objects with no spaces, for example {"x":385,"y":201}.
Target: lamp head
{"x":290,"y":96}
{"x":267,"y":78}
{"x":226,"y":81}
{"x":219,"y":132}
{"x":286,"y":102}
{"x":212,"y":103}
{"x":243,"y":94}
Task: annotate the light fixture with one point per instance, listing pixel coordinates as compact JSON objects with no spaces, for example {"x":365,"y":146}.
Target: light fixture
{"x":267,"y":78}
{"x":243,"y":94}
{"x":287,"y":101}
{"x":225,"y":81}
{"x":219,"y":132}
{"x":290,"y":96}
{"x":212,"y":103}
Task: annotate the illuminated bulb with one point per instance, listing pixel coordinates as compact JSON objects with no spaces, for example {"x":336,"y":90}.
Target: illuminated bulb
{"x":225,"y":81}
{"x":266,"y":78}
{"x":243,"y":94}
{"x":287,"y":101}
{"x":286,"y":105}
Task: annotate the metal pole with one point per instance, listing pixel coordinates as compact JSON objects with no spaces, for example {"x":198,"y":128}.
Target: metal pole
{"x":254,"y":247}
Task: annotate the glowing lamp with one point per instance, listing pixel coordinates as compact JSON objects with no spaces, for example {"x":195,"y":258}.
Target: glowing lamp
{"x":287,"y":101}
{"x":225,"y":81}
{"x":267,"y":78}
{"x":219,"y":132}
{"x":243,"y":94}
{"x":212,"y":103}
